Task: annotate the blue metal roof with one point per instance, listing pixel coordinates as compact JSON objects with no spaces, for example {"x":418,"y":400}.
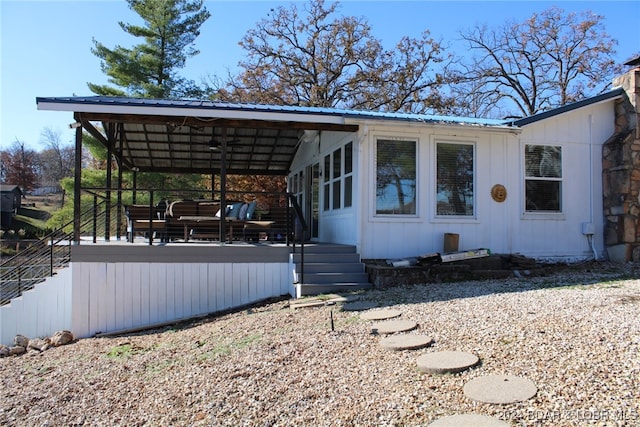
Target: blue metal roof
{"x":322,"y":111}
{"x":569,"y":107}
{"x":292,"y":109}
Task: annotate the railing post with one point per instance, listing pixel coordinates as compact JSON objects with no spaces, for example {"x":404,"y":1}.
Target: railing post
{"x":95,"y":218}
{"x":51,"y":257}
{"x":151,"y":215}
{"x":119,"y":215}
{"x":107,"y":217}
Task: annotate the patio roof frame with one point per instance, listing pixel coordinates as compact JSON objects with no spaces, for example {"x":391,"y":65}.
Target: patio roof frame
{"x":182,"y":143}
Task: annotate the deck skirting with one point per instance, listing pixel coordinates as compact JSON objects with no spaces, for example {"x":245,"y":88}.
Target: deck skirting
{"x":102,"y":296}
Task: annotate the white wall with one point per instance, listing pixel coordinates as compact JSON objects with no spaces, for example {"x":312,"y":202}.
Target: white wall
{"x":581,"y":134}
{"x":340,"y":225}
{"x":501,"y":227}
{"x":92,"y":297}
{"x":40,"y":311}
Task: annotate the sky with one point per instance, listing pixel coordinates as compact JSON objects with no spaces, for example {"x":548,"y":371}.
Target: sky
{"x":45,"y":45}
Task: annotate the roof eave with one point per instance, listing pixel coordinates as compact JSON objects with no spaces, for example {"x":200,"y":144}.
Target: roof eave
{"x":598,"y":99}
{"x":52,"y":104}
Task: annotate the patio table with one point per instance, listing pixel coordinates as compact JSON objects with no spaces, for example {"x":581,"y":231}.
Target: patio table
{"x":200,"y":221}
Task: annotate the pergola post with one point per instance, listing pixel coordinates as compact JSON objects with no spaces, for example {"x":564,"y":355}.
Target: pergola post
{"x":107,"y":216}
{"x":76,"y":186}
{"x":223,"y":186}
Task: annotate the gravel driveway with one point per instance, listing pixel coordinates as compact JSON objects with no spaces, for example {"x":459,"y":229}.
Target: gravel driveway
{"x":575,"y":334}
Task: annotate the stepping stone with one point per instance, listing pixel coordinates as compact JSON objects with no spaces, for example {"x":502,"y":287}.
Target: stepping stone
{"x":405,"y":342}
{"x":446,"y":362}
{"x":393,"y":326}
{"x":500,"y":389}
{"x":320,"y":301}
{"x":359,"y":306}
{"x":380,"y":314}
{"x":475,"y":420}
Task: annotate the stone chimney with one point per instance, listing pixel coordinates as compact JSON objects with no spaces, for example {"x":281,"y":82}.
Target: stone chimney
{"x":621,"y":173}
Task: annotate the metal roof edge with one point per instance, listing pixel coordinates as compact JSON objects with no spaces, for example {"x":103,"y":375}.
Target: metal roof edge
{"x":204,"y":108}
{"x":97,"y":104}
{"x":613,"y":94}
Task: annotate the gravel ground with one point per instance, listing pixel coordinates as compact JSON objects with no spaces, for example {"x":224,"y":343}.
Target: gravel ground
{"x":575,"y":334}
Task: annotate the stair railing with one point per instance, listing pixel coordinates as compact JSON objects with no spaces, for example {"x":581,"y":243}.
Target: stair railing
{"x":300,"y":229}
{"x":45,"y":257}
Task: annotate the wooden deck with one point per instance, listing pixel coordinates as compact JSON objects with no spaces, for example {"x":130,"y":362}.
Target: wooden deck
{"x":193,"y":251}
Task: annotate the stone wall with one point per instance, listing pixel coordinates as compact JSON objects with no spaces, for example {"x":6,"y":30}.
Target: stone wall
{"x":621,"y":175}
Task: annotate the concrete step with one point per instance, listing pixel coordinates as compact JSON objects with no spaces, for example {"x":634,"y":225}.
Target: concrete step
{"x":331,"y":267}
{"x":327,"y":248}
{"x":335,"y":277}
{"x":311,"y":258}
{"x":324,"y":288}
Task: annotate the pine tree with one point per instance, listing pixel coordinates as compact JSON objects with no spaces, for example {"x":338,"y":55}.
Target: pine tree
{"x":149,"y":69}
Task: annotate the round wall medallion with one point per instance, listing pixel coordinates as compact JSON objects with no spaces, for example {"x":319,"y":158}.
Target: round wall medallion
{"x":499,"y":193}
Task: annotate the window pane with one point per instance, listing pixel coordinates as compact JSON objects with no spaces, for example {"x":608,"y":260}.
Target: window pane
{"x":348,"y":192}
{"x":325,"y":205}
{"x":336,"y":194}
{"x":337,"y":160}
{"x":543,"y":195}
{"x":348,"y":158}
{"x":396,"y":177}
{"x":327,"y":168}
{"x":542,"y":161}
{"x":454,"y":181}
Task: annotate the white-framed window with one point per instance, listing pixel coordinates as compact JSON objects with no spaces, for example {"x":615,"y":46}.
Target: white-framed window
{"x":455,"y":178}
{"x":337,"y":178}
{"x":543,"y":178}
{"x":396,"y":177}
{"x":296,"y":186}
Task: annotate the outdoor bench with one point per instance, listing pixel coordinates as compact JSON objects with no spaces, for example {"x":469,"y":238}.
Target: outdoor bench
{"x":143,"y":219}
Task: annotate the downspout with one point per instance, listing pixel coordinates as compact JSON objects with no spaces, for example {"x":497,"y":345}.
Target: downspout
{"x":591,"y":237}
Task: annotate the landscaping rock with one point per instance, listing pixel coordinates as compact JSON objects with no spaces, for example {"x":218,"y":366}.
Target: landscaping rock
{"x":17,"y":350}
{"x":39,"y":344}
{"x":61,"y":338}
{"x":4,"y":351}
{"x":21,"y":341}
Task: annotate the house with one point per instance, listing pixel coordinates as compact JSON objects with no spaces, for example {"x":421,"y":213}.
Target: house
{"x":561,"y":185}
{"x":10,"y":202}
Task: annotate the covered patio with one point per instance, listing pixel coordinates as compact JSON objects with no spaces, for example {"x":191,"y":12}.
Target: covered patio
{"x":112,"y":283}
{"x":189,"y":137}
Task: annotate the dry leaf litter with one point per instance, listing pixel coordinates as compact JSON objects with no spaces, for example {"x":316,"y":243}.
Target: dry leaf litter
{"x":575,"y":334}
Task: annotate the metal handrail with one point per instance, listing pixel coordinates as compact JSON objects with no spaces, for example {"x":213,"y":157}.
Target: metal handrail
{"x":42,"y":259}
{"x":303,"y":228}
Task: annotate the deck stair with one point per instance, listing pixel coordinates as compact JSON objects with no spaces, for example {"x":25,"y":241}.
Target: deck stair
{"x":329,"y":268}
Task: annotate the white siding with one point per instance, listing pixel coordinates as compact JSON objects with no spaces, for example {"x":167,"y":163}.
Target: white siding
{"x":40,"y":311}
{"x":501,"y":227}
{"x":340,"y":225}
{"x":92,"y":297}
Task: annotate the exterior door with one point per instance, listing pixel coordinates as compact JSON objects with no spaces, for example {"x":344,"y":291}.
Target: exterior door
{"x":312,"y":207}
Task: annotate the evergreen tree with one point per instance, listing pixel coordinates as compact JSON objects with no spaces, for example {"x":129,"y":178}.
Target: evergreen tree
{"x":149,"y":69}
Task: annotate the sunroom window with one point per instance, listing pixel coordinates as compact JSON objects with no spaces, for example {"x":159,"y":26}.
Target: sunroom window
{"x":395,"y":177}
{"x":338,"y":181}
{"x":543,"y":178}
{"x":454,"y":181}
